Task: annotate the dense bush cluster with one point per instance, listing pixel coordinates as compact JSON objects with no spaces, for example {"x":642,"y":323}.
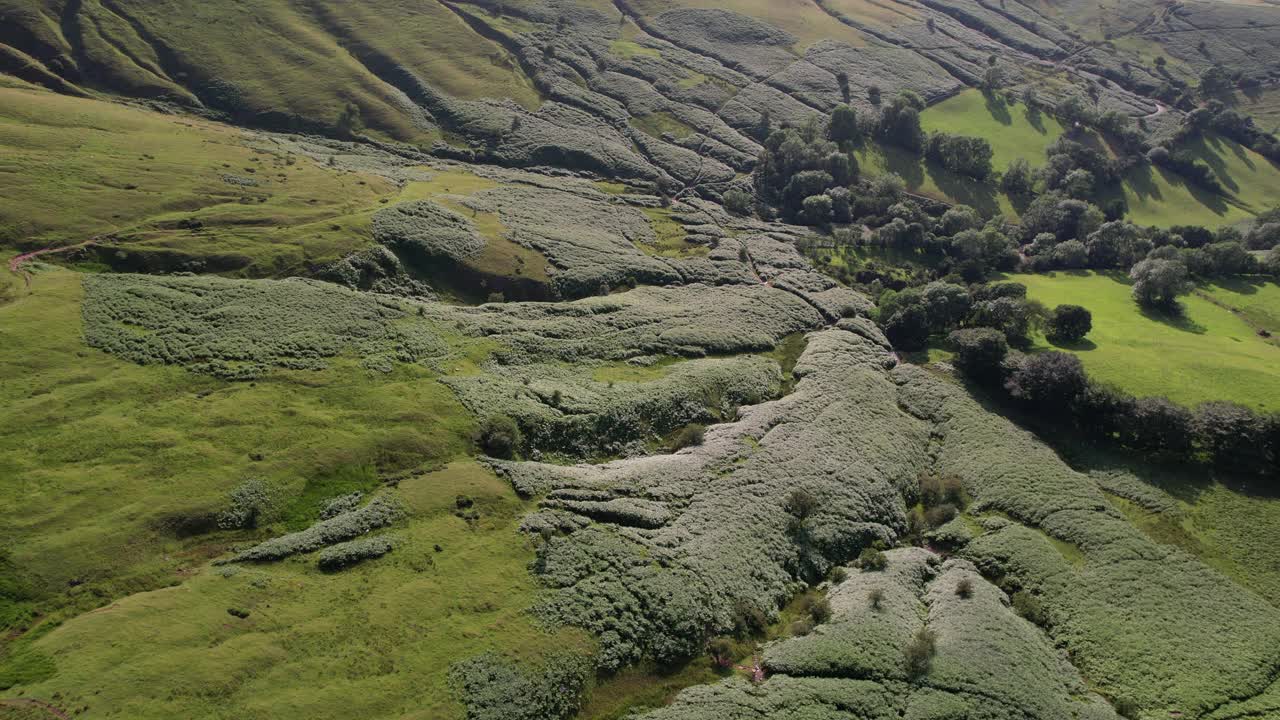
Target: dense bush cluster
{"x":920,"y":650}
{"x":655,"y":554}
{"x":378,"y":513}
{"x":811,"y":175}
{"x":496,"y":688}
{"x":239,"y":329}
{"x":688,"y":320}
{"x":346,"y":554}
{"x":247,"y":505}
{"x":426,"y":230}
{"x":559,"y":408}
{"x":912,"y":316}
{"x":1145,"y":622}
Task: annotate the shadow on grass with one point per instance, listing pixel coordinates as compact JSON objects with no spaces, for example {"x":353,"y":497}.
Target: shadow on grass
{"x":1083,"y":345}
{"x":1176,"y":319}
{"x":997,"y":107}
{"x":1036,"y":119}
{"x":1239,"y":285}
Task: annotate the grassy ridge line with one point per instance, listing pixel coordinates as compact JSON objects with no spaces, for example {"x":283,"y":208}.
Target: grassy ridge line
{"x":1209,"y":354}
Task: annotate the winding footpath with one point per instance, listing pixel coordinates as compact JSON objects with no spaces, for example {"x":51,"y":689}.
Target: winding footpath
{"x":48,"y":708}
{"x":16,"y":262}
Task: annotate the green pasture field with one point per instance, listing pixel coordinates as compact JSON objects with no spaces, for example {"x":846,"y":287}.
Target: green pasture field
{"x":1208,"y":353}
{"x":1013,"y":130}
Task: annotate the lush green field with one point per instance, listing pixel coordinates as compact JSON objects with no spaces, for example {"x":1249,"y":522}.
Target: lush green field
{"x":1258,"y":303}
{"x":1154,"y":196}
{"x":1013,"y":130}
{"x":1208,"y":354}
{"x":1158,"y":197}
{"x":108,"y":457}
{"x":1252,"y":180}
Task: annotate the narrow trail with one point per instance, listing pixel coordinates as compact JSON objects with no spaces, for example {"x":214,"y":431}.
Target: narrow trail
{"x":51,"y":709}
{"x":16,"y":262}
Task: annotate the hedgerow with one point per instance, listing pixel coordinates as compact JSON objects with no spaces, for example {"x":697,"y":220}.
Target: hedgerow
{"x":378,"y":513}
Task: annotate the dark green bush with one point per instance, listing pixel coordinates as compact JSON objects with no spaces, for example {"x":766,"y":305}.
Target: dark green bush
{"x":872,"y":559}
{"x":918,"y":654}
{"x":499,"y":437}
{"x":689,"y":436}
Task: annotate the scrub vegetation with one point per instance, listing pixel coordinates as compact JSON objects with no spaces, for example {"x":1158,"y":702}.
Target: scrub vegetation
{"x":639,"y":360}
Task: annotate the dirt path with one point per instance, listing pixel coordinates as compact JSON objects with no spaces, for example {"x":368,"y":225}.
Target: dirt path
{"x":16,"y":262}
{"x":52,"y":710}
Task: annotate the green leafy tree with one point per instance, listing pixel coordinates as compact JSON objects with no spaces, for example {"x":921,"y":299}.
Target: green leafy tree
{"x":1158,"y":283}
{"x":1070,"y":323}
{"x":844,"y":126}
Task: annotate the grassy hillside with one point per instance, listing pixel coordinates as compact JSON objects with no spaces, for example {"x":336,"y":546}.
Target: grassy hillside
{"x":73,"y":168}
{"x":1156,"y":196}
{"x":1013,"y":130}
{"x":1258,"y":303}
{"x":375,"y":640}
{"x":1251,"y":179}
{"x":803,"y":19}
{"x":109,"y":457}
{"x":279,"y":63}
{"x":1209,"y":354}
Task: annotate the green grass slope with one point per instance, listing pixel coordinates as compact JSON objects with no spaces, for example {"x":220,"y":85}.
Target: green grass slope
{"x":1013,"y":130}
{"x":376,"y":640}
{"x":1208,"y":354}
{"x":1252,"y":180}
{"x":279,"y":63}
{"x":109,"y":458}
{"x":1258,"y":303}
{"x":74,"y":168}
{"x":1156,"y":196}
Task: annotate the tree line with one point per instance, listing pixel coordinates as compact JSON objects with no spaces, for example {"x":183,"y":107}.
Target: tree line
{"x":1054,"y":386}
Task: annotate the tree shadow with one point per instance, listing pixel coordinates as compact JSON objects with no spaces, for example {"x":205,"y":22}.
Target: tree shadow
{"x":1082,"y":345}
{"x":1142,"y":181}
{"x":998,"y":107}
{"x":1239,"y":285}
{"x":909,"y":166}
{"x":1020,"y":203}
{"x":978,"y":195}
{"x":1212,"y":157}
{"x":1036,"y":119}
{"x":1176,"y":319}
